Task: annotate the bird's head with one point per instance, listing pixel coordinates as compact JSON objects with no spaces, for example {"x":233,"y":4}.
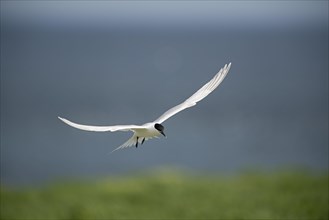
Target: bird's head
{"x":160,"y":128}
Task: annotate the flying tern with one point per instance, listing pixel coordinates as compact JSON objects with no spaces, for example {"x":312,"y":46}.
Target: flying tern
{"x":155,"y":129}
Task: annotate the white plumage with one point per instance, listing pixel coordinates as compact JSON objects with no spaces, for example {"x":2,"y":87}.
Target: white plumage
{"x":155,"y":129}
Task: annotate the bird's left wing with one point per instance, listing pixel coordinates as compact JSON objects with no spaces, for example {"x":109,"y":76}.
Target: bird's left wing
{"x":198,"y":95}
{"x":102,"y":128}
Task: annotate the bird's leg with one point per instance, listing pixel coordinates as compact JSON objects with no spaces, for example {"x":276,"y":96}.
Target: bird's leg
{"x":143,"y":140}
{"x":137,"y":142}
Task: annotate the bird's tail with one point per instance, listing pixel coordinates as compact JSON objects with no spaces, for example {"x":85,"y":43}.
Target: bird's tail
{"x":130,"y":142}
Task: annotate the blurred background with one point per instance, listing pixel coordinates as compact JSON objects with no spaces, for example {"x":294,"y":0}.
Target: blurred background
{"x":257,"y":147}
{"x":108,"y":63}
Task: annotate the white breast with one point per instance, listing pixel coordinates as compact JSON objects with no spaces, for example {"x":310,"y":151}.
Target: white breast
{"x":150,"y":131}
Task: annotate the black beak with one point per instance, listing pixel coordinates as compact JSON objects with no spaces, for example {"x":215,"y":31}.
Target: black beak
{"x":162,"y":133}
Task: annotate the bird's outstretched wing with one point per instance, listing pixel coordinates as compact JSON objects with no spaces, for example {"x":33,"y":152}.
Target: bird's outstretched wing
{"x":197,"y":96}
{"x":102,"y":128}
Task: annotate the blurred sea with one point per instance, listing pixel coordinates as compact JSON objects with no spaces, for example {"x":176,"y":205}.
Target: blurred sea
{"x":271,"y":112}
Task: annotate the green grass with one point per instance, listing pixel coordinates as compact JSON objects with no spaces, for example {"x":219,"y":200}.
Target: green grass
{"x":166,"y":195}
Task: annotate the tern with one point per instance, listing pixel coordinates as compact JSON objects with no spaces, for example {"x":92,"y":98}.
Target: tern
{"x":155,"y":129}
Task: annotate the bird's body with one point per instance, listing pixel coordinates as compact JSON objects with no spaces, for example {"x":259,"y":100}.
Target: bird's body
{"x":140,"y":135}
{"x":155,"y":129}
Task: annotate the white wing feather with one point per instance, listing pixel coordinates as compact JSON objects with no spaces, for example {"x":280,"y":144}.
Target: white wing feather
{"x":102,"y":128}
{"x":197,"y":96}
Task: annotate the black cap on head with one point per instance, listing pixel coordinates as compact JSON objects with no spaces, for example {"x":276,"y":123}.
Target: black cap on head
{"x":160,"y":128}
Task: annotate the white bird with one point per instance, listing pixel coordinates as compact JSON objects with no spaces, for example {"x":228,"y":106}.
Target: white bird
{"x":155,"y":129}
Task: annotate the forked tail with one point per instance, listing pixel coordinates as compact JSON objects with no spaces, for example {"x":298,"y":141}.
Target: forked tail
{"x":130,"y":142}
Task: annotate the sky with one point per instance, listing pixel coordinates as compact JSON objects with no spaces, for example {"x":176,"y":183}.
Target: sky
{"x":168,"y":14}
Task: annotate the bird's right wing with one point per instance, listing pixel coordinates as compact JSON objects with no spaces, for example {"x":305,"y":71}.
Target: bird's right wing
{"x":102,"y":128}
{"x":198,"y":95}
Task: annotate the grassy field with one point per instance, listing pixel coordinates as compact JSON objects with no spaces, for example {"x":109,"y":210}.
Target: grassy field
{"x":292,"y":195}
